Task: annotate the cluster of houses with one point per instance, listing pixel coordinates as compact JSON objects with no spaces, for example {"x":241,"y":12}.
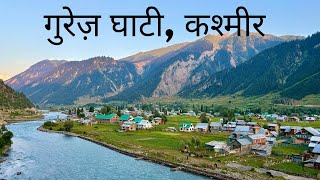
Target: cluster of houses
{"x":284,"y":118}
{"x":251,"y":137}
{"x":127,"y":122}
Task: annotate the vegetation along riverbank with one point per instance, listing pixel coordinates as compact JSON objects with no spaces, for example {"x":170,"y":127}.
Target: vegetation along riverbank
{"x":168,"y":148}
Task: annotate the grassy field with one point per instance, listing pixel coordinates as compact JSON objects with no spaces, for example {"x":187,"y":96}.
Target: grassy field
{"x":150,"y":139}
{"x":289,"y":150}
{"x":295,"y":168}
{"x":236,"y":100}
{"x":167,"y":145}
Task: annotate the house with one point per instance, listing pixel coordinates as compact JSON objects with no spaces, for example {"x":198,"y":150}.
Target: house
{"x":215,"y":126}
{"x":241,"y":123}
{"x":128,"y":126}
{"x":125,"y":117}
{"x":202,"y":127}
{"x":253,"y":124}
{"x":314,"y":140}
{"x":282,"y":118}
{"x":295,"y":129}
{"x":157,"y":121}
{"x":316,"y":150}
{"x":294,"y":118}
{"x":271,"y":140}
{"x":264,"y":132}
{"x":144,"y":124}
{"x":258,"y":139}
{"x":186,"y":127}
{"x":315,"y":163}
{"x":289,"y":131}
{"x":263,"y":116}
{"x":262,"y":150}
{"x":137,"y":119}
{"x":218,"y":146}
{"x":242,"y":144}
{"x":230,"y":126}
{"x":274,"y":134}
{"x":273,"y":127}
{"x":305,"y":134}
{"x":240,"y":131}
{"x":310,"y":119}
{"x":107,"y":119}
{"x":271,"y":118}
{"x":86,"y":122}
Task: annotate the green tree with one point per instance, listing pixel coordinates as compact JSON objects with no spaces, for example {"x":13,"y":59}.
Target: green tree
{"x":119,"y":113}
{"x":265,"y":126}
{"x":203,"y":118}
{"x":91,"y":109}
{"x":164,"y":119}
{"x":68,"y":125}
{"x":2,"y":142}
{"x":107,"y":110}
{"x":3,"y":128}
{"x":82,"y":115}
{"x":7,"y":137}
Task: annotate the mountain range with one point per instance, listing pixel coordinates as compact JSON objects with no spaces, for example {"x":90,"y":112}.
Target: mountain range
{"x":213,"y":65}
{"x":9,"y":99}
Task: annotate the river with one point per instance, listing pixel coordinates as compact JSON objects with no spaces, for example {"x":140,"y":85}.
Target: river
{"x":40,"y":155}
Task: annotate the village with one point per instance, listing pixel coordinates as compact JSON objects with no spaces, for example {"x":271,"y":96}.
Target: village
{"x":289,"y":139}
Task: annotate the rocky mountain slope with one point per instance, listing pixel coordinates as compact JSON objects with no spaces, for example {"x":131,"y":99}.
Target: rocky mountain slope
{"x":291,"y":69}
{"x":34,"y":73}
{"x":161,"y":72}
{"x":195,"y":62}
{"x":9,"y":99}
{"x":99,"y":76}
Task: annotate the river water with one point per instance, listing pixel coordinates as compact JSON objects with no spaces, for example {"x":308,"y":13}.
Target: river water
{"x":40,"y":155}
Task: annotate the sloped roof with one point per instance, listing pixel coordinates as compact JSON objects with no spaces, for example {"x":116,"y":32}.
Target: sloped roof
{"x":252,"y":123}
{"x":216,"y":124}
{"x":124,"y":117}
{"x":257,"y":136}
{"x":143,"y":122}
{"x":244,"y":141}
{"x":202,"y":125}
{"x":138,"y":119}
{"x":240,"y":122}
{"x":272,"y":125}
{"x":127,"y":124}
{"x":275,"y":134}
{"x":216,"y":143}
{"x":312,"y":131}
{"x":263,"y":131}
{"x":315,"y":138}
{"x":316,"y":149}
{"x":105,"y":117}
{"x":242,"y":129}
{"x":185,"y":124}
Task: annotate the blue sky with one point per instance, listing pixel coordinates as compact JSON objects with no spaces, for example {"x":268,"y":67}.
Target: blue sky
{"x":24,"y":38}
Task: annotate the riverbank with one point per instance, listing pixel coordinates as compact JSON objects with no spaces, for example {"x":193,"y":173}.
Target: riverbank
{"x":174,"y":166}
{"x":4,"y":152}
{"x":164,"y":145}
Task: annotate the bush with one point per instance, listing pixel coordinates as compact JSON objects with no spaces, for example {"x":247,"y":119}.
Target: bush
{"x":49,"y":124}
{"x":2,"y":142}
{"x":68,"y":125}
{"x":7,"y":137}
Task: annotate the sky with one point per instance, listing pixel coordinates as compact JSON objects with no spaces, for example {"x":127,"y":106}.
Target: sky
{"x":24,"y":42}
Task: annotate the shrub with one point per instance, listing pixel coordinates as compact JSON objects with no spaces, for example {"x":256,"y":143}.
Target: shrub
{"x":68,"y":125}
{"x":2,"y":142}
{"x":49,"y":124}
{"x":7,"y":137}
